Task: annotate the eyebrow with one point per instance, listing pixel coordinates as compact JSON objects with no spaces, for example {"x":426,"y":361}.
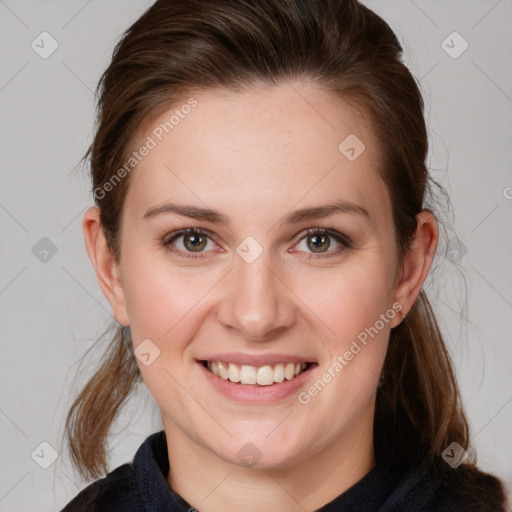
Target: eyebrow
{"x":215,"y":217}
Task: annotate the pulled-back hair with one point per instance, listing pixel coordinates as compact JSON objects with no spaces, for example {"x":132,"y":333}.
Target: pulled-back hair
{"x":181,"y":47}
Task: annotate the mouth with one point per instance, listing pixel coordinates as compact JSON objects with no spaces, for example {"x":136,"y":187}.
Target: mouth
{"x":264,"y":375}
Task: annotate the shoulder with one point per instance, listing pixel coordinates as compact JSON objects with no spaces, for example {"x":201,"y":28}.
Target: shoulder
{"x":114,"y":492}
{"x":464,"y":489}
{"x":122,"y":489}
{"x":471,"y":488}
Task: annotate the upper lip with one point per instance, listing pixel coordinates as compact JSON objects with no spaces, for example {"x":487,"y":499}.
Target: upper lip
{"x":255,"y":360}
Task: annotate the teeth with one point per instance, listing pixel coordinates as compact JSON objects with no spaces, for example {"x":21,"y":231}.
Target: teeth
{"x":223,"y":371}
{"x":247,"y":374}
{"x":289,"y":371}
{"x":265,"y":376}
{"x":262,"y":375}
{"x":234,"y":373}
{"x":278,"y":373}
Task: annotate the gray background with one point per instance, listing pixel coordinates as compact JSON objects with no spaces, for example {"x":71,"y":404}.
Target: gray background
{"x":53,"y":311}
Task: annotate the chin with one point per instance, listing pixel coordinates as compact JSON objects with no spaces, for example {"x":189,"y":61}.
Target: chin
{"x":260,"y":453}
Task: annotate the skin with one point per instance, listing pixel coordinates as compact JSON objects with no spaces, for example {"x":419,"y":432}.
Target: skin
{"x":255,"y":157}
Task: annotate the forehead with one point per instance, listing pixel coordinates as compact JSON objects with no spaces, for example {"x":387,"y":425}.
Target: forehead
{"x":286,"y":143}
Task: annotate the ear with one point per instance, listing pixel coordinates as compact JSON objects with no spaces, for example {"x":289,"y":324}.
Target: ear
{"x":416,"y":263}
{"x":107,"y":270}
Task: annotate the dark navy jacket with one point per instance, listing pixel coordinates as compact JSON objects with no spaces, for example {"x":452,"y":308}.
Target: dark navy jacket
{"x":141,"y":486}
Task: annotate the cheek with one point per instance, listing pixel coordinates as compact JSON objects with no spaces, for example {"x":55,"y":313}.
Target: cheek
{"x":353,"y":311}
{"x":348,"y":300}
{"x":159,"y":296}
{"x":359,"y":318}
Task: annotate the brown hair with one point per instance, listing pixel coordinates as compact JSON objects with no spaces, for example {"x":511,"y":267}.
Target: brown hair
{"x":178,"y":47}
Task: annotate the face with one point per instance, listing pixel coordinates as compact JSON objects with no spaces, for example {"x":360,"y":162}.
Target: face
{"x":253,"y":284}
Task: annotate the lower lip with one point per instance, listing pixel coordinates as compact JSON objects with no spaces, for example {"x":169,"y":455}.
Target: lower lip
{"x":255,"y":392}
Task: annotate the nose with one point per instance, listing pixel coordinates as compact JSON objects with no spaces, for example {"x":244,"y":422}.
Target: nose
{"x":258,"y":305}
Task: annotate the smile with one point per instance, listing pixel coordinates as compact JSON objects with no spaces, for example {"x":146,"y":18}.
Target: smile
{"x":264,"y":375}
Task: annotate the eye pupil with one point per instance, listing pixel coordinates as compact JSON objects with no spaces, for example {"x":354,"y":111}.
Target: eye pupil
{"x":319,"y":240}
{"x":197,"y":241}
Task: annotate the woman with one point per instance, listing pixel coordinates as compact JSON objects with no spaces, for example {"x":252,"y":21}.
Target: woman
{"x":260,"y":232}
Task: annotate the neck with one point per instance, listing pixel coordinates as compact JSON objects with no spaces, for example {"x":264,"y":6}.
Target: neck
{"x":209,"y":483}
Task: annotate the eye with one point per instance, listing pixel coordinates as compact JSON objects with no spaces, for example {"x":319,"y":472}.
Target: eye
{"x":195,"y":240}
{"x":318,"y":241}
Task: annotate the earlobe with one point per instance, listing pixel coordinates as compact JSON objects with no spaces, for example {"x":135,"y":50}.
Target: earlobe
{"x":105,"y":266}
{"x":417,"y":262}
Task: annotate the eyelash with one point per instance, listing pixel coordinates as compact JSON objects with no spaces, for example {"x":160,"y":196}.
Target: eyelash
{"x":345,"y":242}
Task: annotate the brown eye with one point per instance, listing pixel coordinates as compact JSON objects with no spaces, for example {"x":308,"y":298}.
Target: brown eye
{"x":318,"y":243}
{"x":186,"y":242}
{"x":194,"y":242}
{"x":319,"y":240}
